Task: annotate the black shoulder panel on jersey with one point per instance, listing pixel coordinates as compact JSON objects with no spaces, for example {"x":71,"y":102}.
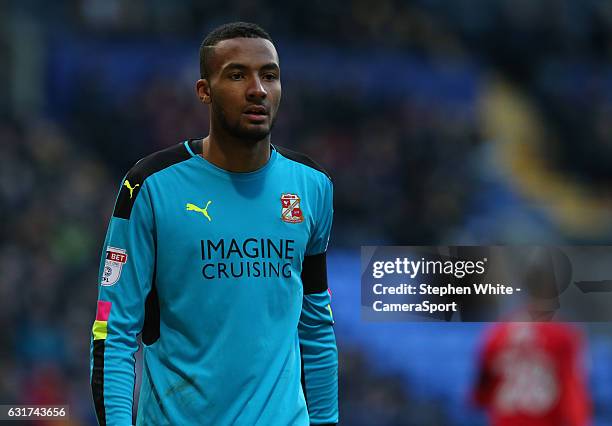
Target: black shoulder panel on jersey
{"x":301,"y":158}
{"x":196,"y":145}
{"x":314,"y":273}
{"x":143,"y":169}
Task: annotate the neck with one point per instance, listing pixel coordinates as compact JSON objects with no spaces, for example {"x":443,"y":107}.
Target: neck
{"x":236,"y":155}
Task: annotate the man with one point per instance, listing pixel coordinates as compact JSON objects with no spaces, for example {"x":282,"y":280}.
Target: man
{"x":216,"y":253}
{"x":530,"y":374}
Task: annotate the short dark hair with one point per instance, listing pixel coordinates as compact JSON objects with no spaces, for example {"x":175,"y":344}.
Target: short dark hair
{"x":226,"y":32}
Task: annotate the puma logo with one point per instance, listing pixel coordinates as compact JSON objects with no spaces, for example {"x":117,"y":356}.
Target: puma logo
{"x":204,"y":211}
{"x":130,"y":187}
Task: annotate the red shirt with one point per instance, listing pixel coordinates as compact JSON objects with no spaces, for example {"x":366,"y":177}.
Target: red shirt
{"x":530,"y":374}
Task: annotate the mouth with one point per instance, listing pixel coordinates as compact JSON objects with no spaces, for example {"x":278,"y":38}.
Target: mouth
{"x":256,"y":113}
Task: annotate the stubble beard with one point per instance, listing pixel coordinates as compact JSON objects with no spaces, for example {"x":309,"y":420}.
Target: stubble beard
{"x":240,"y":132}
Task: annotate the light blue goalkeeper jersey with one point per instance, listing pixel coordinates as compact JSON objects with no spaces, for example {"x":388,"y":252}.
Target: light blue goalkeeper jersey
{"x":224,"y":275}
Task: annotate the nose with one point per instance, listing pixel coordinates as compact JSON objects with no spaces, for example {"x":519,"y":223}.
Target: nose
{"x":256,"y":90}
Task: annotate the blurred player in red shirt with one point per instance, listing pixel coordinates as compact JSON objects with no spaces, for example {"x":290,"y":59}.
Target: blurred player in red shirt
{"x":531,"y":375}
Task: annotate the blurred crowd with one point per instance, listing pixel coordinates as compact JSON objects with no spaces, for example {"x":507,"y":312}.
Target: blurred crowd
{"x":414,"y":159}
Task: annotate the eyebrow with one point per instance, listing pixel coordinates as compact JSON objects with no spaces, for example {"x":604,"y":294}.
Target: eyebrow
{"x":242,"y":67}
{"x":271,"y":66}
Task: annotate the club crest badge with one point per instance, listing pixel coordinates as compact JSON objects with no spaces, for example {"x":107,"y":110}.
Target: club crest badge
{"x":115,"y":259}
{"x":290,"y":208}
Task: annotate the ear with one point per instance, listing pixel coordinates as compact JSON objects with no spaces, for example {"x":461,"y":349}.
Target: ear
{"x":203,"y":90}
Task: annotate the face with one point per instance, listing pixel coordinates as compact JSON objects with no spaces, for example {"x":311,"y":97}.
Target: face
{"x":243,"y":87}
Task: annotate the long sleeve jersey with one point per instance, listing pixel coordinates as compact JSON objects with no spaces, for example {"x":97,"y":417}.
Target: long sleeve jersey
{"x":224,"y":275}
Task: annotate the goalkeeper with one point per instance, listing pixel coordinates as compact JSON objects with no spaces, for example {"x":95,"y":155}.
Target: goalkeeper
{"x":215,"y":252}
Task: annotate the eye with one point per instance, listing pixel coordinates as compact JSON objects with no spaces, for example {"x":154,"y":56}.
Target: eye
{"x":236,"y":76}
{"x":270,"y":76}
